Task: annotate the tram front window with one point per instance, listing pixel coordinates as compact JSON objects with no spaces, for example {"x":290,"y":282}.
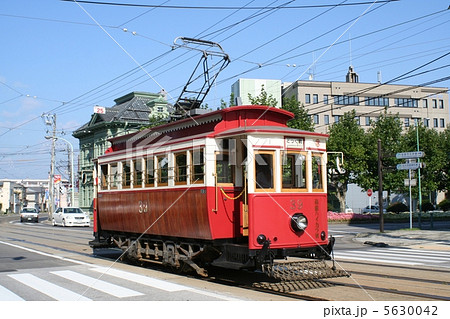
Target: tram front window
{"x":224,"y":169}
{"x":294,"y":170}
{"x":264,"y":170}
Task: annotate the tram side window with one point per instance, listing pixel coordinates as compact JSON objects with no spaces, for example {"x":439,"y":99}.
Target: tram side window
{"x":180,"y":168}
{"x":294,"y":170}
{"x":126,"y":174}
{"x":104,"y":177}
{"x":224,"y":169}
{"x":198,"y":167}
{"x":137,"y":173}
{"x":149,"y":172}
{"x":317,"y":176}
{"x":113,"y":176}
{"x":264,"y":170}
{"x":163,"y":170}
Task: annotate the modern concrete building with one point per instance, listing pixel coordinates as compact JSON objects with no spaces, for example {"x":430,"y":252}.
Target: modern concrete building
{"x":128,"y":115}
{"x":243,"y":87}
{"x":328,"y":101}
{"x":16,"y":194}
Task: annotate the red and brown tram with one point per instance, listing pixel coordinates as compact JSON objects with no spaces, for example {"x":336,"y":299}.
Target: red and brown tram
{"x":233,"y":188}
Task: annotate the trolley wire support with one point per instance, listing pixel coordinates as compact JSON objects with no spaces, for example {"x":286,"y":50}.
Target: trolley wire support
{"x":194,"y":92}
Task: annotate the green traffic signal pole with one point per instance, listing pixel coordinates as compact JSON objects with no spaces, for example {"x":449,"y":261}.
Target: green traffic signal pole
{"x":418,"y":172}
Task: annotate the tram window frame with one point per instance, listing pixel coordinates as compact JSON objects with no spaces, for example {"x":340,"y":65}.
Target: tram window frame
{"x":259,"y":174}
{"x":104,"y":176}
{"x":197,"y":176}
{"x":126,"y":174}
{"x":293,"y":157}
{"x":226,"y":179}
{"x":315,"y":158}
{"x":138,"y":173}
{"x":180,"y":176}
{"x":149,"y":178}
{"x":160,"y":169}
{"x":114,"y":178}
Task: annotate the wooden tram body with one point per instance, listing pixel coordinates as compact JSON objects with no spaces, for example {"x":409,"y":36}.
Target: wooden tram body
{"x":234,"y":188}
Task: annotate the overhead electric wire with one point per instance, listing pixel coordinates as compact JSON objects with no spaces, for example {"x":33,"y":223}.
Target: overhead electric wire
{"x":216,"y":7}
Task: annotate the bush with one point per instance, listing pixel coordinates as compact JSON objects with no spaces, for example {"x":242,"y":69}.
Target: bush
{"x":427,"y":206}
{"x":444,"y":205}
{"x":397,"y":208}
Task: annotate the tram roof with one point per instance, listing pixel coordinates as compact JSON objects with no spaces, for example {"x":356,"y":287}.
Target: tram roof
{"x":221,"y":123}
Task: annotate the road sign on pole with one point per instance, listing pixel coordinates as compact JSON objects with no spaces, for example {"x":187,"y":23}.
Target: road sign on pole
{"x":408,"y":166}
{"x":369,"y":192}
{"x":418,"y":154}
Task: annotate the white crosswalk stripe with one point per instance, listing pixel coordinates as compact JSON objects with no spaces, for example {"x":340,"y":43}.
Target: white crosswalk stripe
{"x":396,"y":256}
{"x":8,"y":295}
{"x":58,"y":285}
{"x":52,"y":290}
{"x":93,"y":283}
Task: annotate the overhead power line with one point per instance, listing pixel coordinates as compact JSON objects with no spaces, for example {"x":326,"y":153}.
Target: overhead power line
{"x":120,"y":4}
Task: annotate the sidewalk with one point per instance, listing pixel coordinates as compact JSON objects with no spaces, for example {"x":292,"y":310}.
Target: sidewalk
{"x":425,"y":239}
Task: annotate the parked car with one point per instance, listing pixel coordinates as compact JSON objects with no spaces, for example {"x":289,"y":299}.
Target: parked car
{"x":70,"y":216}
{"x":372,"y":209}
{"x":348,"y":210}
{"x":29,"y":214}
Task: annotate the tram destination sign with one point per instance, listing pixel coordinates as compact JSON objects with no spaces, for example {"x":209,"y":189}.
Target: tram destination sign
{"x":417,"y":154}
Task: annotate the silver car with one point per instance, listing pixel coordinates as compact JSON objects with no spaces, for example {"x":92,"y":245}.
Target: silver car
{"x":70,"y":216}
{"x":29,"y":214}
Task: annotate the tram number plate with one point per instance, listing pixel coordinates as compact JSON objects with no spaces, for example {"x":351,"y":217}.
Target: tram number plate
{"x":143,"y":206}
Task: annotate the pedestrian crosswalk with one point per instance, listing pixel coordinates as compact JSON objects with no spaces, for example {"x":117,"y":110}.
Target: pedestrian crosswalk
{"x":394,"y":255}
{"x":95,"y":283}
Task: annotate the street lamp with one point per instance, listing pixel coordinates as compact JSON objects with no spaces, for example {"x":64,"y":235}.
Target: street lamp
{"x":72,"y":202}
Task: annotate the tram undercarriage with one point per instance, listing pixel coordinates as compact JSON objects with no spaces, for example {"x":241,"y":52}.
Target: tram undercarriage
{"x":185,"y":256}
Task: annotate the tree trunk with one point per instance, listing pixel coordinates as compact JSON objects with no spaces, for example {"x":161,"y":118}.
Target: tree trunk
{"x":341,"y":193}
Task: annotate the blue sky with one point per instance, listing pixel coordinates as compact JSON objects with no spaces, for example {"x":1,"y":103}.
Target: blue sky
{"x":66,"y":57}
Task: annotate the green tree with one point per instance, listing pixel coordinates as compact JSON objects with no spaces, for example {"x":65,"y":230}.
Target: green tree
{"x":433,"y":175}
{"x":301,"y":120}
{"x":347,"y":137}
{"x":263,"y":98}
{"x":388,"y":128}
{"x":445,"y":182}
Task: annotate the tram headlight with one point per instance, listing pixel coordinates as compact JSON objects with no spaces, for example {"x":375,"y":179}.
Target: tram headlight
{"x":299,"y":222}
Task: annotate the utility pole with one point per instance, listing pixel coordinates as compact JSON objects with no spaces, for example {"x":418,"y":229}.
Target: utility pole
{"x":380,"y":187}
{"x":50,"y":119}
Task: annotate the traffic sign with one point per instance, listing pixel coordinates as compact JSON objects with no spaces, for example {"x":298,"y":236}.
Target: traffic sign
{"x":408,"y":166}
{"x":418,"y":154}
{"x":369,"y":192}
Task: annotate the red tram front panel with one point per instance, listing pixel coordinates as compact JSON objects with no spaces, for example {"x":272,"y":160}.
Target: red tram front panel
{"x":270,"y":215}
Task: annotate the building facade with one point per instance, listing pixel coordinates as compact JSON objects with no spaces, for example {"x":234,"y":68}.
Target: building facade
{"x":243,"y":87}
{"x":326,"y":102}
{"x":128,"y":115}
{"x":16,"y":194}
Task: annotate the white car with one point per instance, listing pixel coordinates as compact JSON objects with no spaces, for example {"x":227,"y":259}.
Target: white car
{"x":70,"y":216}
{"x":29,"y":214}
{"x":374,"y":209}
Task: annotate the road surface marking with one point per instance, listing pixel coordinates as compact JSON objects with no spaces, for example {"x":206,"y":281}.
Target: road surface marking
{"x":7,"y":295}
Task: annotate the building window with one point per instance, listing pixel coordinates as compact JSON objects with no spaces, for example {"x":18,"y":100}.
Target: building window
{"x":315,"y":98}
{"x":435,"y":122}
{"x":336,"y":118}
{"x":358,"y":121}
{"x":425,"y":103}
{"x":441,"y":104}
{"x":316,"y":118}
{"x":308,"y":98}
{"x":376,"y":101}
{"x":404,"y":102}
{"x":346,"y":100}
{"x":426,"y":122}
{"x":160,"y":109}
{"x":326,"y":119}
{"x":325,"y":98}
{"x":434,"y":104}
{"x":406,"y":122}
{"x":442,"y":122}
{"x":367,"y":120}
